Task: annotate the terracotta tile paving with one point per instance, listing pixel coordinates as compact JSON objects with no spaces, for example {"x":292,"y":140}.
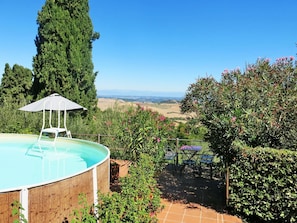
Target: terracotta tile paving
{"x":175,"y":212}
{"x":190,"y":199}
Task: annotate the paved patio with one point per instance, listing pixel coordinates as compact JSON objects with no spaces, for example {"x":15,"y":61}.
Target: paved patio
{"x":192,"y":213}
{"x":188,"y":198}
{"x":191,"y":199}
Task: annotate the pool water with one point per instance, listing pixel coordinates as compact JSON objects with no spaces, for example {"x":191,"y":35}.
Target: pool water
{"x":25,"y":164}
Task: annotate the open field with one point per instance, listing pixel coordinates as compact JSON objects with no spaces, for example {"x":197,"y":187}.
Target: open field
{"x":169,"y":110}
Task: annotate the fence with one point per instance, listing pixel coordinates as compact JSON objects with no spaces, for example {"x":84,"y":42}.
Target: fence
{"x":102,"y":139}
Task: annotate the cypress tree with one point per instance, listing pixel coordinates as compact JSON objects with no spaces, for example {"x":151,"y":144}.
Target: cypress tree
{"x":63,"y":62}
{"x":16,"y":83}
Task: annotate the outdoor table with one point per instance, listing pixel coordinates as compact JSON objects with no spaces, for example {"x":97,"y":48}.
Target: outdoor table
{"x":189,"y":152}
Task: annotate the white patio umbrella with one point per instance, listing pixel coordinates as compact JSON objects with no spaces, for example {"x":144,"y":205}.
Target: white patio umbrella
{"x":53,"y":102}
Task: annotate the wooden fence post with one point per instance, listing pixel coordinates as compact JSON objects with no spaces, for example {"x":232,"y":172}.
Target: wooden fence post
{"x":98,"y":138}
{"x":227,"y":183}
{"x":176,"y":150}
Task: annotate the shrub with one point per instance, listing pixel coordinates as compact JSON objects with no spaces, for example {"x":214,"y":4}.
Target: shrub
{"x":145,"y":132}
{"x":256,"y":106}
{"x":263,"y":184}
{"x":138,"y":201}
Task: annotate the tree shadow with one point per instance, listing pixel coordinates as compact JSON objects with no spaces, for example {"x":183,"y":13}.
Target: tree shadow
{"x":188,"y":188}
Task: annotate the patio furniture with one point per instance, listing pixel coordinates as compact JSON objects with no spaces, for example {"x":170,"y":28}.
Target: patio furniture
{"x":170,"y":156}
{"x":206,"y":162}
{"x":191,"y":155}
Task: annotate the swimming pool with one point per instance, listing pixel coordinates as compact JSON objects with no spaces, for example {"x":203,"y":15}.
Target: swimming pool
{"x":27,"y":166}
{"x":61,"y":170}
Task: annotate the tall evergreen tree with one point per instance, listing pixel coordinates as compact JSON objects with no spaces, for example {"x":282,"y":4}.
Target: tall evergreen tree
{"x":16,"y":83}
{"x":63,"y":62}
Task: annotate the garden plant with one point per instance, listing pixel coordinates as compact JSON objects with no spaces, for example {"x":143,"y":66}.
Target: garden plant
{"x":137,"y":201}
{"x":257,"y":107}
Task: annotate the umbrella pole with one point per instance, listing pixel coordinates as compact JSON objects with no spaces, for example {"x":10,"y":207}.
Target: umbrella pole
{"x":65,"y":115}
{"x":59,"y":111}
{"x":50,"y":118}
{"x":43,"y":124}
{"x":43,"y":119}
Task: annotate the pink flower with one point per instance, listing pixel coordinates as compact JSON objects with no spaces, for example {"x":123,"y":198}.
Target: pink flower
{"x":225,"y":72}
{"x":162,"y":118}
{"x":233,"y":119}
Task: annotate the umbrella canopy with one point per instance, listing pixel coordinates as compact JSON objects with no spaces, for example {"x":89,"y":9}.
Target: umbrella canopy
{"x":53,"y":102}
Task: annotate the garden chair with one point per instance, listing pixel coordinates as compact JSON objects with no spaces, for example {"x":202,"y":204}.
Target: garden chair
{"x":206,"y":162}
{"x":170,"y":156}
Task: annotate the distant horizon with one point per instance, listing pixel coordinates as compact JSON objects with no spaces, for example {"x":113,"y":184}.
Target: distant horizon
{"x":136,"y":93}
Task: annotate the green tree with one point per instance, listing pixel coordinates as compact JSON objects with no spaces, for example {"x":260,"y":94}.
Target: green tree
{"x":16,"y":83}
{"x":63,"y":62}
{"x":257,"y":106}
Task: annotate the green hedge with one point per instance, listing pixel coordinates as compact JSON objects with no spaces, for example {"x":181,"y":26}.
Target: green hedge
{"x":263,"y":184}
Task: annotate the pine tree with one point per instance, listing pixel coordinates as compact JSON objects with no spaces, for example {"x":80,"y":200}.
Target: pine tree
{"x":16,"y":83}
{"x":63,"y":62}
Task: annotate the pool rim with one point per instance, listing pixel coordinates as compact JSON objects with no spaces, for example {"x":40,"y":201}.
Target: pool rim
{"x":22,"y":187}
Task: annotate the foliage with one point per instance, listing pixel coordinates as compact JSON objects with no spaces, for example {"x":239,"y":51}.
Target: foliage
{"x":256,"y":106}
{"x":17,"y":211}
{"x":85,"y":213}
{"x":63,"y":63}
{"x":139,"y":198}
{"x":138,"y":201}
{"x":15,"y":85}
{"x":190,"y":130}
{"x":107,"y":123}
{"x":19,"y":121}
{"x":129,"y":131}
{"x":144,"y":131}
{"x":135,"y":131}
{"x":263,"y":184}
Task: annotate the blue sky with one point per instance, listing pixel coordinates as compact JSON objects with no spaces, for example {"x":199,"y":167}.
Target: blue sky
{"x":163,"y":45}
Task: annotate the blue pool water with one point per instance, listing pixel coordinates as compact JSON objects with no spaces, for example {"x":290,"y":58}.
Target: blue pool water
{"x":24,"y":163}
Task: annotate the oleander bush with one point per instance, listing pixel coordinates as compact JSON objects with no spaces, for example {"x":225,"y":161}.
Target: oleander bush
{"x":263,"y":184}
{"x":138,"y":200}
{"x":256,"y":105}
{"x":144,"y":131}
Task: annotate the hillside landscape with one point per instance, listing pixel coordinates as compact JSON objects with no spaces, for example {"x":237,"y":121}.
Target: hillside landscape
{"x":169,"y":110}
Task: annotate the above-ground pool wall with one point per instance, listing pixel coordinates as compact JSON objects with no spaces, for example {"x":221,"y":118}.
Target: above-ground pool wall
{"x":103,"y":177}
{"x":6,"y":200}
{"x":56,"y":201}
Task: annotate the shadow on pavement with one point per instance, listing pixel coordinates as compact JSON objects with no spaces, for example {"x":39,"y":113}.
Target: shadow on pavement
{"x":187,"y":188}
